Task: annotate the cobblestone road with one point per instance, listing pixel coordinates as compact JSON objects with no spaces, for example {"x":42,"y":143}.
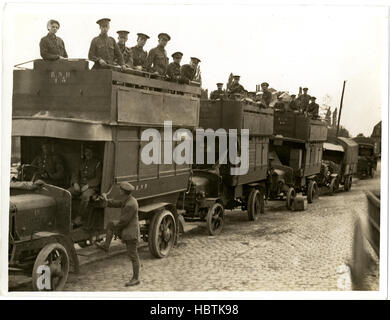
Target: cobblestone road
{"x":282,"y":250}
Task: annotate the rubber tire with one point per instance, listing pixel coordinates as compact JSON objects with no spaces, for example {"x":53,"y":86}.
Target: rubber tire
{"x":153,"y":237}
{"x":255,"y":195}
{"x":348,"y":183}
{"x":312,"y":191}
{"x":290,"y":195}
{"x":210,"y":228}
{"x":332,"y":186}
{"x":41,"y":257}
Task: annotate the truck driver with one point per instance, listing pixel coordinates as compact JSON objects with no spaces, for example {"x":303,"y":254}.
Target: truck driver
{"x":86,"y":181}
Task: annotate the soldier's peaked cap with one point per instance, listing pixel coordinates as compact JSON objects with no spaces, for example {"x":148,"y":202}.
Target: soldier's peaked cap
{"x":126,"y":186}
{"x":219,"y":84}
{"x":265,"y":84}
{"x":166,"y":35}
{"x":103,"y":22}
{"x":51,"y":21}
{"x":143,"y":35}
{"x":305,"y":88}
{"x":177,"y":54}
{"x":122,"y":33}
{"x":313,"y":98}
{"x":236,"y":77}
{"x":196,"y":59}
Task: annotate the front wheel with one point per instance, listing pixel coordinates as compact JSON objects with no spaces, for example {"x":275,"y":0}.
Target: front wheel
{"x":348,"y":183}
{"x":162,"y":233}
{"x":312,"y":191}
{"x":332,"y":186}
{"x":51,"y":268}
{"x":255,"y":204}
{"x":215,"y":217}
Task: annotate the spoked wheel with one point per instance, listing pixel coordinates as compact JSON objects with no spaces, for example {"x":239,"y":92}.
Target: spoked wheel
{"x":312,"y":191}
{"x":255,"y":204}
{"x":162,"y":233}
{"x":215,"y":219}
{"x":348,"y":183}
{"x":51,"y":268}
{"x":290,"y":197}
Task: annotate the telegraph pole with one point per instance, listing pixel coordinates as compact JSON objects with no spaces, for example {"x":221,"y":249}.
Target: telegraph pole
{"x":341,"y":106}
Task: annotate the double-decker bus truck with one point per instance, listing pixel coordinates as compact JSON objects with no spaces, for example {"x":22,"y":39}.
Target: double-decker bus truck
{"x":295,"y":156}
{"x":67,"y":104}
{"x":213,"y":188}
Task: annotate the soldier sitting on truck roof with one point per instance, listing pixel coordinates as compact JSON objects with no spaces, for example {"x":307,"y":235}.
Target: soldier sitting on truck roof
{"x":86,"y":181}
{"x":173,"y":70}
{"x":157,"y":60}
{"x":313,"y":108}
{"x":267,"y":95}
{"x":138,"y":53}
{"x":50,"y":167}
{"x":51,"y":46}
{"x":104,"y":50}
{"x":218,"y":94}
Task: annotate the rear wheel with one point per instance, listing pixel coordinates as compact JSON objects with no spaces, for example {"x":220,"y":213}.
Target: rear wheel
{"x":348,"y":183}
{"x":255,"y":204}
{"x":162,"y":233}
{"x":51,"y":268}
{"x":312,"y":191}
{"x":215,"y":217}
{"x":290,"y":197}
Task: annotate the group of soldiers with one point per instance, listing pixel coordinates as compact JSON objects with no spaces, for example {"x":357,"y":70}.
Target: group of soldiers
{"x":105,"y":52}
{"x":305,"y":103}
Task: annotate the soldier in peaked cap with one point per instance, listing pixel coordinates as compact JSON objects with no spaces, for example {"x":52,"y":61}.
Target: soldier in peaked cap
{"x":51,"y":46}
{"x":292,"y":106}
{"x":126,"y":52}
{"x":138,"y":53}
{"x":304,"y":100}
{"x":267,"y":95}
{"x":157,"y":60}
{"x":188,"y":72}
{"x":127,"y":228}
{"x":195,"y":63}
{"x":219,"y":93}
{"x":173,"y":70}
{"x":313,"y":108}
{"x":104,"y":50}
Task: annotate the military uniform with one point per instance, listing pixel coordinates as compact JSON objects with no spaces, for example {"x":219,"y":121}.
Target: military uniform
{"x":293,"y":105}
{"x":89,"y":173}
{"x":267,"y":97}
{"x":173,"y":71}
{"x":51,"y":169}
{"x":187,"y":73}
{"x":126,"y":54}
{"x":127,"y":228}
{"x":304,"y":100}
{"x":52,"y":47}
{"x":313,"y":109}
{"x":139,"y":56}
{"x":217,"y":94}
{"x":104,"y":47}
{"x":236,"y":88}
{"x":279,"y":105}
{"x":157,"y":60}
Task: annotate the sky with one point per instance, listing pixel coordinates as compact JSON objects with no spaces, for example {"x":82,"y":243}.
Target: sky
{"x":290,"y":46}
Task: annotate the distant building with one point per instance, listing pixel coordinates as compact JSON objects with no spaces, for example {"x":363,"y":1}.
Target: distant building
{"x":377,"y":137}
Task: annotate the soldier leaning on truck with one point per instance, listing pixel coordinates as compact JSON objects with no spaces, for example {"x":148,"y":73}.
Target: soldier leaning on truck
{"x":157,"y":60}
{"x":138,"y":52}
{"x":51,"y":46}
{"x":126,"y":52}
{"x":127,"y":228}
{"x":86,"y":181}
{"x":104,"y":50}
{"x":173,"y":70}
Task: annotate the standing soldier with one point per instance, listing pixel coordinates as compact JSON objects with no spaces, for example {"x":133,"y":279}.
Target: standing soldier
{"x":236,"y":87}
{"x":279,"y":105}
{"x":292,"y":106}
{"x":173,"y":70}
{"x":219,"y":93}
{"x":267,"y":95}
{"x":313,"y":108}
{"x":86,"y":181}
{"x":304,"y":100}
{"x":51,"y":46}
{"x":104,"y":50}
{"x":157,"y":60}
{"x":198,"y":75}
{"x":126,"y":52}
{"x":138,"y":53}
{"x":127,"y":228}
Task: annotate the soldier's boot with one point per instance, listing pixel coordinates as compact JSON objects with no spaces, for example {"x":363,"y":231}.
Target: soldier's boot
{"x":135,"y":280}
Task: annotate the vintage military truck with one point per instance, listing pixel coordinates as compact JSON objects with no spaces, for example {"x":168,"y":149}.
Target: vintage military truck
{"x":295,"y":156}
{"x":212,"y":187}
{"x":367,"y":159}
{"x":69,"y":105}
{"x":339,"y":164}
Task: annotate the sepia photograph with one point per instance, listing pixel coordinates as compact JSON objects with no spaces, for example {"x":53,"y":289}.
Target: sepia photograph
{"x":168,"y":149}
